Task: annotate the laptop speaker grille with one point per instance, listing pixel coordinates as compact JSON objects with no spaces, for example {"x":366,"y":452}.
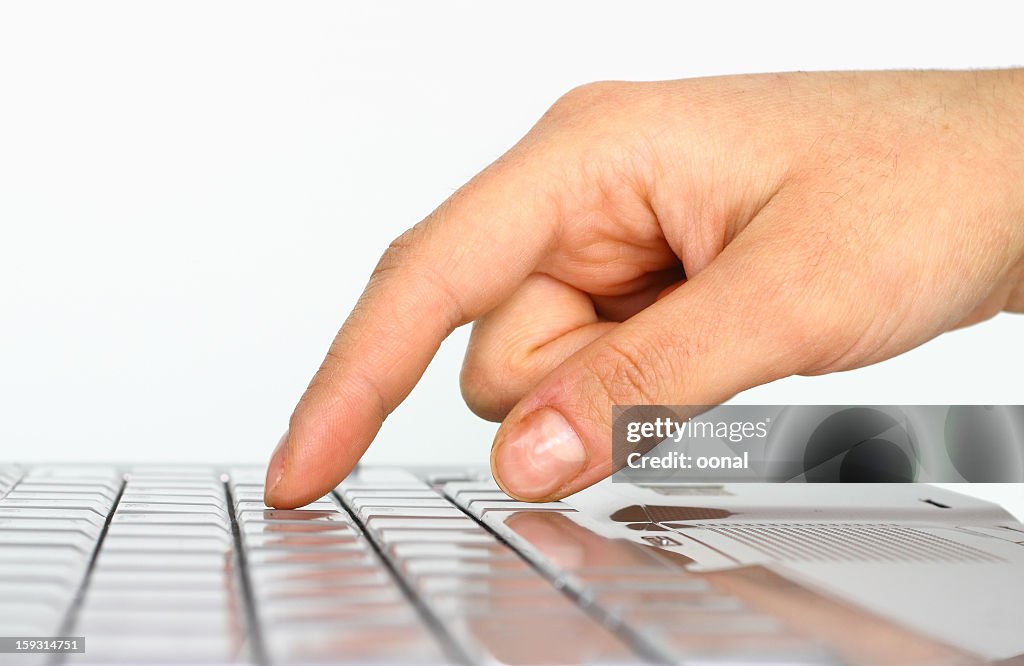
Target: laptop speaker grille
{"x":843,"y":542}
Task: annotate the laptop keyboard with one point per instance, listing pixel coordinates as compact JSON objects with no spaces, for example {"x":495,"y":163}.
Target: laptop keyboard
{"x":188,"y":565}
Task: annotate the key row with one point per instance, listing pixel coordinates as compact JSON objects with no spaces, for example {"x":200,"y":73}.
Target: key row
{"x":482,"y":593}
{"x":50,"y":522}
{"x":167,"y":568}
{"x":321,"y":592}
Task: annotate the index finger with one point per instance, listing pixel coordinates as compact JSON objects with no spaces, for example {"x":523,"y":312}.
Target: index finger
{"x":454,"y":266}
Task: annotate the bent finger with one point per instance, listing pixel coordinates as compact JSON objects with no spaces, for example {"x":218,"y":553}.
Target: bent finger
{"x":515,"y":345}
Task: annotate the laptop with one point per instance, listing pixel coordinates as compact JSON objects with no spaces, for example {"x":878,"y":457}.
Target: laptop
{"x":186,"y":565}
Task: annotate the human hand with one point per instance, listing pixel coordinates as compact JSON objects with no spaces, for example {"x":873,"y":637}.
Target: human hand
{"x":679,"y":242}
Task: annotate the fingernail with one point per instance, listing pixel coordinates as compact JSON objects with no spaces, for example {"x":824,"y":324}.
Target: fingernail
{"x":275,"y":470}
{"x":541,"y":454}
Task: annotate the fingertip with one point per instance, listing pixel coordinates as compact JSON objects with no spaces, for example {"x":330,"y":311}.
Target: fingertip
{"x":314,"y":455}
{"x":275,"y":471}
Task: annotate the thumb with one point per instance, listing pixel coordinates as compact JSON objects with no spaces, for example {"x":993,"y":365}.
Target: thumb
{"x":714,"y":336}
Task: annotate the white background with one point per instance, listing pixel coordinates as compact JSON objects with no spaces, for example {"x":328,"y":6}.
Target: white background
{"x":193,"y":193}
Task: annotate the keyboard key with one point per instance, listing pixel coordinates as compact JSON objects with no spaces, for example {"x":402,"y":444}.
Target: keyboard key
{"x":132,"y":497}
{"x":155,"y":619}
{"x":446,"y":511}
{"x":381,"y":477}
{"x":319,"y":505}
{"x":19,"y":553}
{"x":401,"y":523}
{"x":55,"y":593}
{"x":247,"y":485}
{"x":211,"y":489}
{"x":278,"y":599}
{"x":62,"y":472}
{"x":163,"y":469}
{"x":49,"y":513}
{"x":473,"y":551}
{"x":385,"y":643}
{"x":35,"y":609}
{"x":513,"y":582}
{"x":455,"y":489}
{"x":293,"y":514}
{"x":159,"y":545}
{"x":151,"y":507}
{"x":435,"y":502}
{"x":467,"y":496}
{"x":70,"y":485}
{"x":571,"y":637}
{"x":90,"y":492}
{"x":456,"y":567}
{"x":90,"y":496}
{"x":392,"y":494}
{"x":68,"y":573}
{"x":305,"y":541}
{"x":345,"y":593}
{"x":441,"y":478}
{"x":680,"y":608}
{"x":166,"y":518}
{"x":307,"y":557}
{"x":272,"y":578}
{"x":366,"y":562}
{"x":733,"y":648}
{"x":154,"y":485}
{"x":160,"y":647}
{"x":29,"y":618}
{"x":547,"y":601}
{"x":52,"y":524}
{"x":170,"y":598}
{"x":391,"y":537}
{"x":479,"y":508}
{"x":99,"y":507}
{"x":157,"y":561}
{"x":297,"y":527}
{"x":71,"y":539}
{"x":179,"y":531}
{"x":339,"y":616}
{"x":247,"y":496}
{"x":639,"y":581}
{"x":108,"y":578}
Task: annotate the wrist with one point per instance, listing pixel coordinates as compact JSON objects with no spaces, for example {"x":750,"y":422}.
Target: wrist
{"x":998,"y":100}
{"x":1008,"y":91}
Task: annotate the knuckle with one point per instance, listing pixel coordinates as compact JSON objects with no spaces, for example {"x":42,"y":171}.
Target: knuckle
{"x":404,"y":254}
{"x":398,"y":251}
{"x":592,"y":92}
{"x":589,"y":101}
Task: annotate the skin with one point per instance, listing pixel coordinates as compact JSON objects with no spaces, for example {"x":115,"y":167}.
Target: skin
{"x":679,"y":242}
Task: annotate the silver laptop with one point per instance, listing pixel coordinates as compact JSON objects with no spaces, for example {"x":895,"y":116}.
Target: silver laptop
{"x":186,"y":565}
